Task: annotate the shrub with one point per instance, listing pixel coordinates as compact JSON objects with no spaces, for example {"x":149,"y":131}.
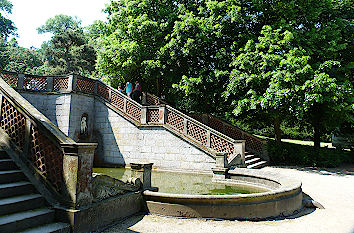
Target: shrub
{"x":303,"y":155}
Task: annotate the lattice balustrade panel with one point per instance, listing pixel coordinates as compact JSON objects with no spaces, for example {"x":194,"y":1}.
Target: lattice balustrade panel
{"x":152,"y":100}
{"x":11,"y":79}
{"x":47,"y":157}
{"x":35,"y":83}
{"x":215,"y":123}
{"x":117,"y":100}
{"x":60,"y":84}
{"x":133,"y":111}
{"x":221,"y":145}
{"x":174,"y":120}
{"x":254,"y":144}
{"x":153,"y":115}
{"x":13,"y":122}
{"x":197,"y":133}
{"x":102,"y":91}
{"x":233,"y":132}
{"x":84,"y":85}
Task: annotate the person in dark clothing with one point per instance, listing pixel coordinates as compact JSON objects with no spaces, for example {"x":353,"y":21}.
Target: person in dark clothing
{"x":137,"y":94}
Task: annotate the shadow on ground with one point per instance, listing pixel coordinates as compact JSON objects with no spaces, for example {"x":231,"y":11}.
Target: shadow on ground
{"x":123,"y":225}
{"x":343,"y":170}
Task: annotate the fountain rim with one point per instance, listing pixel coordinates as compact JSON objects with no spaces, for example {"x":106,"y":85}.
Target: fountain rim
{"x":287,"y":187}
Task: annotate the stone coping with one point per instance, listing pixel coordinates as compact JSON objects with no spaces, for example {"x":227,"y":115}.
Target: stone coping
{"x":286,"y":187}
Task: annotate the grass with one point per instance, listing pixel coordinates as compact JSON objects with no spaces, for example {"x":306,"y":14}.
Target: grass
{"x":300,"y":142}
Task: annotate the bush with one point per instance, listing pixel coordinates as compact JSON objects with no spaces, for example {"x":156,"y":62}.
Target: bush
{"x":303,"y":155}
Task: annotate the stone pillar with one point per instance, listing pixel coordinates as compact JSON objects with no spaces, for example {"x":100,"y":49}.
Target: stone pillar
{"x":143,"y":172}
{"x":185,"y":126}
{"x":239,"y":151}
{"x":72,"y":83}
{"x":144,"y":112}
{"x":162,"y":114}
{"x":50,"y":83}
{"x":143,"y":99}
{"x":220,"y":170}
{"x":77,"y":172}
{"x":21,"y":81}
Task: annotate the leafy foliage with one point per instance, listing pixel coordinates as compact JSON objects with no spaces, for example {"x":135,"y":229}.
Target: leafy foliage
{"x":69,"y":49}
{"x":7,"y":27}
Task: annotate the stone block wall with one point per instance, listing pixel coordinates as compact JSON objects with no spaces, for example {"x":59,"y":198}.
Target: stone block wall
{"x":124,"y":143}
{"x":56,"y":107}
{"x":120,"y":141}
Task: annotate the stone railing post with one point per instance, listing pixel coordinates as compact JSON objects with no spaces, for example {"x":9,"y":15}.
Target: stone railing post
{"x":72,"y":83}
{"x":239,"y":152}
{"x":162,"y":114}
{"x":185,"y":126}
{"x":208,"y":138}
{"x":125,"y":104}
{"x":21,"y":81}
{"x":144,"y":116}
{"x":77,"y":172}
{"x":221,"y":166}
{"x":143,"y":99}
{"x":50,"y":83}
{"x":143,"y":172}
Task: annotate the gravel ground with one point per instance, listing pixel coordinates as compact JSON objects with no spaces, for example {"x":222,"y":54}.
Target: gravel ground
{"x":333,"y":188}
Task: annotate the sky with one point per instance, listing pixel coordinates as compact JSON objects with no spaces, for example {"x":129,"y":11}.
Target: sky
{"x":28,"y":15}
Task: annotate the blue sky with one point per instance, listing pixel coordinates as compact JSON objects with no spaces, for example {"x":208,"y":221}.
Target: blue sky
{"x":28,"y":15}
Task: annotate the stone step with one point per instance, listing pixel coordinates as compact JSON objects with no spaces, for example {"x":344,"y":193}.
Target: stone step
{"x":252,"y":161}
{"x":249,"y":156}
{"x":20,"y":203}
{"x":25,"y":219}
{"x":16,"y":188}
{"x":11,"y":176}
{"x":7,"y":164}
{"x":259,"y":164}
{"x":57,"y":227}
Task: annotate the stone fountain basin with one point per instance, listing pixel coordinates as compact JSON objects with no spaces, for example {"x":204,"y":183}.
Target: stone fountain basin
{"x":283,"y":198}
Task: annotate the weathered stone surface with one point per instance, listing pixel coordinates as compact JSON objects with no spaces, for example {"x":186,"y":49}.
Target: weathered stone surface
{"x":104,"y":187}
{"x":121,"y":142}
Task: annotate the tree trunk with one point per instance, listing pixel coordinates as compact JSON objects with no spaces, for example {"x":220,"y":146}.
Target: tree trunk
{"x":316,"y":122}
{"x":316,"y":135}
{"x":277,"y":130}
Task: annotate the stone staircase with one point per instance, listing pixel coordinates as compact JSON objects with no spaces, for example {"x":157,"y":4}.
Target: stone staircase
{"x":253,"y":161}
{"x":22,"y":208}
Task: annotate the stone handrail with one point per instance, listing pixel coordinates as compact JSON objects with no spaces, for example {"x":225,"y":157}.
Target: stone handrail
{"x":61,"y":164}
{"x":253,"y":144}
{"x":207,"y":138}
{"x":156,"y":114}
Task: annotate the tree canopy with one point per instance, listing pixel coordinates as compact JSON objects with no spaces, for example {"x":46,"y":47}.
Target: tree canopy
{"x":274,"y":58}
{"x":69,"y":49}
{"x":7,"y":27}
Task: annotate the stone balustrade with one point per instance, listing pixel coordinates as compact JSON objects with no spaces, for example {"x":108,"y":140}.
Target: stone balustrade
{"x":63,"y":165}
{"x":155,"y":114}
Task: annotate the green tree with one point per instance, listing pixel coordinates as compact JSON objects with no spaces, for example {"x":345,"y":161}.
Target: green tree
{"x":133,"y":37}
{"x":267,"y":76}
{"x":273,"y":76}
{"x":68,"y":50}
{"x":22,"y":59}
{"x":7,"y":27}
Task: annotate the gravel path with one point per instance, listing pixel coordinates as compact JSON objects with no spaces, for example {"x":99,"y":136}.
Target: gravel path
{"x":333,"y":188}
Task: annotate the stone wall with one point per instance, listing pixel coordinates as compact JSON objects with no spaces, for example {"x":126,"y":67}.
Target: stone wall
{"x":120,"y":141}
{"x":124,"y":143}
{"x":56,"y":107}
